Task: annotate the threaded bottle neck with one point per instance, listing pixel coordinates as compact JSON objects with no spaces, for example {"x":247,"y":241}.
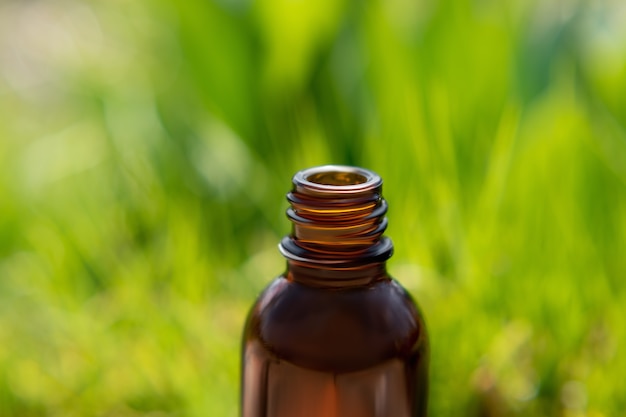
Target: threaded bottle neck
{"x":338,"y":217}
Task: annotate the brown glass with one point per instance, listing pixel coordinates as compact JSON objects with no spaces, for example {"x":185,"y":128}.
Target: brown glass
{"x":335,"y":335}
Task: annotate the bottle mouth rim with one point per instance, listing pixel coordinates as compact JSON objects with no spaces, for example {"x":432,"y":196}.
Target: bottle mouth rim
{"x":336,"y":179}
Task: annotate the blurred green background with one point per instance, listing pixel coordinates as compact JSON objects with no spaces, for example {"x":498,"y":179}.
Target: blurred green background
{"x":146,"y":148}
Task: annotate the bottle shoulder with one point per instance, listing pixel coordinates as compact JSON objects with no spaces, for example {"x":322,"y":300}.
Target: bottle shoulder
{"x":347,"y":328}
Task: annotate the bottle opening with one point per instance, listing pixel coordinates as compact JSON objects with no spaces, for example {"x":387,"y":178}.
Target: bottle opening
{"x":337,"y":178}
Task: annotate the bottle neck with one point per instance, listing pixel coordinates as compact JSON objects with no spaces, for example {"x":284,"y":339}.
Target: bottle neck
{"x":358,"y":276}
{"x":338,"y":217}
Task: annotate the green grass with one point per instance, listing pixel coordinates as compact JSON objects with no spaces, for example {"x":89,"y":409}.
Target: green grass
{"x":146,"y":151}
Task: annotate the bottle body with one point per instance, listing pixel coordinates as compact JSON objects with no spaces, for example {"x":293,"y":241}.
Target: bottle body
{"x":319,"y":352}
{"x":335,"y":335}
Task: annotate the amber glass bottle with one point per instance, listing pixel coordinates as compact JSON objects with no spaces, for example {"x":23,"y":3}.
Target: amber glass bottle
{"x":335,"y":335}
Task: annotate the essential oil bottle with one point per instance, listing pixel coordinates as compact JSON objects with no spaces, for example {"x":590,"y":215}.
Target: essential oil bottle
{"x":335,"y":335}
